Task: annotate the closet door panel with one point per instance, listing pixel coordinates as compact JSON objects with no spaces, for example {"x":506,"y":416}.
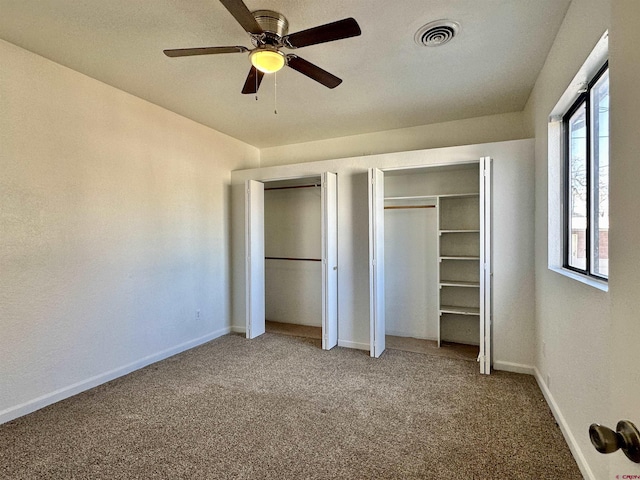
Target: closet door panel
{"x":329,"y":260}
{"x":376,"y":262}
{"x":485,"y":265}
{"x":254,"y":261}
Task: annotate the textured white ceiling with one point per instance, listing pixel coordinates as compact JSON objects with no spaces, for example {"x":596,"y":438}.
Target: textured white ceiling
{"x":389,"y":81}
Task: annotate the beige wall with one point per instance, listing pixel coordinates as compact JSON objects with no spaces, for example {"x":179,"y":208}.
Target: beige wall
{"x":572,"y":319}
{"x":114,"y":227}
{"x":492,"y":128}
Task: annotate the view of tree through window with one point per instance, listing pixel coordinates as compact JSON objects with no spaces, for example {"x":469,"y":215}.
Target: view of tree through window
{"x":600,"y":102}
{"x":587,"y":180}
{"x":578,"y":189}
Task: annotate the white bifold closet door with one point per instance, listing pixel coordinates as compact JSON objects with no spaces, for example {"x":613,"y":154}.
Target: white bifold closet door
{"x":255,"y":268}
{"x":484,"y":358}
{"x":329,"y":260}
{"x":254,"y":250}
{"x":376,"y":262}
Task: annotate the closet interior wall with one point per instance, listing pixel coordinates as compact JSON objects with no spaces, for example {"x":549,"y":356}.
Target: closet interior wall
{"x":415,"y":200}
{"x":293,"y":250}
{"x":410,"y":258}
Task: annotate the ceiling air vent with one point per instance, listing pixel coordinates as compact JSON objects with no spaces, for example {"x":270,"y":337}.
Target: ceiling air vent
{"x":436,"y":33}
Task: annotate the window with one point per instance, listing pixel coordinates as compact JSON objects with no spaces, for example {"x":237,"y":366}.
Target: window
{"x":586,"y":179}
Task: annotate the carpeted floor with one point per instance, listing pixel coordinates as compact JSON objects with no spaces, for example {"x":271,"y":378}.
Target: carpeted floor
{"x":430,"y":347}
{"x":407,"y":344}
{"x":278,"y":407}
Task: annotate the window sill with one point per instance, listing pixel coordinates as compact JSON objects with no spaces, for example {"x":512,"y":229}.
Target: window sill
{"x":593,"y":282}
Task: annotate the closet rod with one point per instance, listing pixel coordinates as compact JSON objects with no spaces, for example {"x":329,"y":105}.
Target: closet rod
{"x":298,"y":259}
{"x":394,"y":207}
{"x":295,"y":186}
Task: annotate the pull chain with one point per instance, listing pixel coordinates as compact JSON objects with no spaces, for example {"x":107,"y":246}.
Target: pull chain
{"x":275,"y":93}
{"x":256,"y":77}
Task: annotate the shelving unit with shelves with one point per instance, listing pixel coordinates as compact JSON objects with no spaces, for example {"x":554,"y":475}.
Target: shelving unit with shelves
{"x":459,"y":287}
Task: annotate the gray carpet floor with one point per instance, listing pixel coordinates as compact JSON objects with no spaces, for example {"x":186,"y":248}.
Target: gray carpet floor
{"x":278,"y":407}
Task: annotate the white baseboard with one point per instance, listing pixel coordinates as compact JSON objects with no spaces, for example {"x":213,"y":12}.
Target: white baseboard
{"x":355,"y":345}
{"x":71,"y":390}
{"x":514,"y":367}
{"x":586,"y":471}
{"x":236,"y":329}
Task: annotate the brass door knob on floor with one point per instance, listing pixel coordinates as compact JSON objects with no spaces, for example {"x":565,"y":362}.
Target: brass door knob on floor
{"x":625,"y":437}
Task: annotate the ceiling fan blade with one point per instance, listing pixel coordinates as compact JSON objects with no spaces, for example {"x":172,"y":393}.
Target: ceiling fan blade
{"x":312,"y":71}
{"x":187,"y":52}
{"x":242,"y":15}
{"x":253,"y":81}
{"x":324,"y":33}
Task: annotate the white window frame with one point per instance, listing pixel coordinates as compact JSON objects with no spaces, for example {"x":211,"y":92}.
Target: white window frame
{"x":556,"y":189}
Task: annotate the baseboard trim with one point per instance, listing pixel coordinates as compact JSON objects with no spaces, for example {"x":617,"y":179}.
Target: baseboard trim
{"x":514,"y":367}
{"x":30,"y":406}
{"x":586,"y":471}
{"x":235,"y":329}
{"x":354,"y":345}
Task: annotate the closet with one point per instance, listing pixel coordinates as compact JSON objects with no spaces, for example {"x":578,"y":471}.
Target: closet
{"x":429,"y":255}
{"x":291,"y":254}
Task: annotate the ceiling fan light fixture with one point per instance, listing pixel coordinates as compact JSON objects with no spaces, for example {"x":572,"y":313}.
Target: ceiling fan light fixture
{"x":267,"y":60}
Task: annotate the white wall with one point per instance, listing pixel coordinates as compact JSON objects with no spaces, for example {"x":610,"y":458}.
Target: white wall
{"x":114,"y":231}
{"x":491,"y":128}
{"x":293,"y":229}
{"x":572,"y":319}
{"x":513,"y":239}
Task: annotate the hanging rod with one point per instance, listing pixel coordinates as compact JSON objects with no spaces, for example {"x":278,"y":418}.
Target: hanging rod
{"x":298,"y":259}
{"x":394,"y":207}
{"x":295,"y":186}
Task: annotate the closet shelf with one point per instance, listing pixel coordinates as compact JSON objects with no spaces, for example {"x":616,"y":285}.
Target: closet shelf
{"x":458,"y":257}
{"x":400,"y":207}
{"x":458,"y":283}
{"x":459,"y":310}
{"x":413,"y":197}
{"x":458,"y":231}
{"x":295,"y":259}
{"x":459,"y":195}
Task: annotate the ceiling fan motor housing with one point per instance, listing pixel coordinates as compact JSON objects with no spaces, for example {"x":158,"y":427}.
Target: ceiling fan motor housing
{"x":274,"y":24}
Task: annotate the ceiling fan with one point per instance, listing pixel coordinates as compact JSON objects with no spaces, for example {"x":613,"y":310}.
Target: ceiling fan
{"x":269,"y":34}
